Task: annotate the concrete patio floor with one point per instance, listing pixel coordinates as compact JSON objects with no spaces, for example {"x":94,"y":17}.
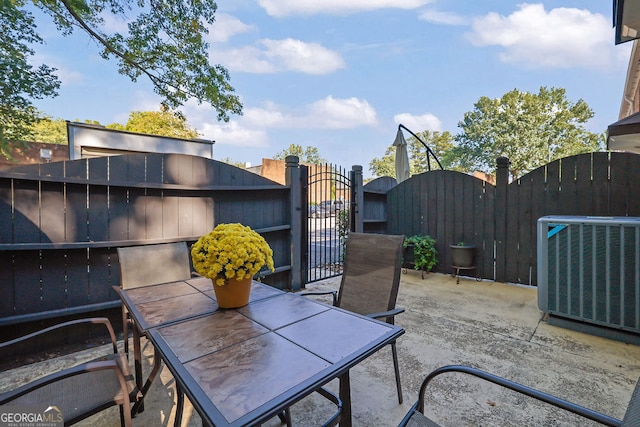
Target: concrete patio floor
{"x":493,"y":326}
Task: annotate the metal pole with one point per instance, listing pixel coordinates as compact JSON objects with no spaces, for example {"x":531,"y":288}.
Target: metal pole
{"x":429,"y":150}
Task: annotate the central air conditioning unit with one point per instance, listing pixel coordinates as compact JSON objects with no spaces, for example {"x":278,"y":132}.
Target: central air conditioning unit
{"x":589,"y":274}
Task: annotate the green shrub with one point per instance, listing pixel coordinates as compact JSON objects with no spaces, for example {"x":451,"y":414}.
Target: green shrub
{"x":424,"y":251}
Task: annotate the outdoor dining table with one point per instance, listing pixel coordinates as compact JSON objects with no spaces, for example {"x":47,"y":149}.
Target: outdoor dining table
{"x":243,"y":366}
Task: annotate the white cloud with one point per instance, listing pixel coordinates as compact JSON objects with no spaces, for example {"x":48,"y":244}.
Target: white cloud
{"x":327,"y":113}
{"x":271,"y":56}
{"x":419,"y":123}
{"x":338,"y":7}
{"x":558,"y":38}
{"x":234,"y":133}
{"x":67,"y":76}
{"x":269,"y":115}
{"x":115,"y":23}
{"x":248,"y":59}
{"x":225,"y":27}
{"x":341,"y":113}
{"x":446,"y":18}
{"x":251,"y":129}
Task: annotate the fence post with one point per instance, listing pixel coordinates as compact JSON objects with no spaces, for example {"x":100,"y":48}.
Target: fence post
{"x":292,"y":180}
{"x":500,"y":217}
{"x":357,"y":199}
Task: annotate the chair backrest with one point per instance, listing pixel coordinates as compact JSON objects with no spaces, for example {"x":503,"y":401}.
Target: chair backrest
{"x":371,"y":274}
{"x":152,"y":264}
{"x":632,"y":414}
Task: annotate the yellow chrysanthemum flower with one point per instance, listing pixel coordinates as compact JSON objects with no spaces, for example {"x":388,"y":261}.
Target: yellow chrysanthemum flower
{"x":231,"y":251}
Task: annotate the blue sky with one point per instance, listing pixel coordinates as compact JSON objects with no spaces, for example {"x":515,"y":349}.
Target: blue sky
{"x":340,"y":75}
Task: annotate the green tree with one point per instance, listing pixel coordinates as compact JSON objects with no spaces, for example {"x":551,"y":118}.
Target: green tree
{"x":530,"y":129}
{"x":20,"y":82}
{"x":53,"y":131}
{"x":441,"y":143}
{"x":307,"y":155}
{"x":164,"y":42}
{"x":163,"y":123}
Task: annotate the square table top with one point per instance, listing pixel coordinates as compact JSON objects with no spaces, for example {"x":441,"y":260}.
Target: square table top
{"x":243,"y":366}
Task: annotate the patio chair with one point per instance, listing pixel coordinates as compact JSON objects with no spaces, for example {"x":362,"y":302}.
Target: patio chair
{"x":81,"y":391}
{"x":149,"y":265}
{"x":370,"y":281}
{"x":416,"y":418}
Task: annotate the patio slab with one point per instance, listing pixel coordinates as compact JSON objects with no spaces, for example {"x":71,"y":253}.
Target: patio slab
{"x":493,"y":326}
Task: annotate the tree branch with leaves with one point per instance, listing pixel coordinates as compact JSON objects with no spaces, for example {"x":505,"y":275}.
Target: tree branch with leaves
{"x":164,"y":43}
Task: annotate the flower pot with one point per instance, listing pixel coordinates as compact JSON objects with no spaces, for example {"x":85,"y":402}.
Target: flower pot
{"x":234,"y":293}
{"x":462,"y":255}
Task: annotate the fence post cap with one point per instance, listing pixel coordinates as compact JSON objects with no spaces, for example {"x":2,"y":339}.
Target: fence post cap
{"x":291,"y":160}
{"x":503,"y":162}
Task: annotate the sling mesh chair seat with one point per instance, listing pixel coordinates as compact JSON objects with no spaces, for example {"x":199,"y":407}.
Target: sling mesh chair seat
{"x":80,"y":391}
{"x":143,"y":266}
{"x":416,"y":418}
{"x":370,"y":281}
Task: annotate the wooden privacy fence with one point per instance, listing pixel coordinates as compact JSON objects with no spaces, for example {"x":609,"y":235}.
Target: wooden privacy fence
{"x":62,"y":222}
{"x":501,"y":220}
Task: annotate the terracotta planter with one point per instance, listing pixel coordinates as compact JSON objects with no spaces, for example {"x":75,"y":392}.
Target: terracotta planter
{"x":462,"y":256}
{"x":235,"y":293}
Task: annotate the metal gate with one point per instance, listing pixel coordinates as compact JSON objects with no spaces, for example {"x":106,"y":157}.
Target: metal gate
{"x":328,"y":219}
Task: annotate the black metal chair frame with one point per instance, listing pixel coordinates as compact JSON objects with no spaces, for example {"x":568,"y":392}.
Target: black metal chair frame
{"x":417,"y":410}
{"x":129,"y":393}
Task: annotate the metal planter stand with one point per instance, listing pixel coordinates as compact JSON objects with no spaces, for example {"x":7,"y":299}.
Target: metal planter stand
{"x":462,"y":258}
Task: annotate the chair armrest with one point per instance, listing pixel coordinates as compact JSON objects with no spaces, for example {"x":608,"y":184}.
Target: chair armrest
{"x":333,"y":293}
{"x":528,"y":391}
{"x":81,"y":369}
{"x":412,"y":412}
{"x":389,"y":313}
{"x":94,"y":320}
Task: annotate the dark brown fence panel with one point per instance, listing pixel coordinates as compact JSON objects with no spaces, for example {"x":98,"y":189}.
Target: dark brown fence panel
{"x":26,"y":224}
{"x":62,"y":223}
{"x":633,"y":178}
{"x":26,"y":285}
{"x":448,"y":228}
{"x":375,"y":204}
{"x":104,"y":272}
{"x":447,"y":206}
{"x":484,"y":196}
{"x":584,"y":184}
{"x":53,"y":291}
{"x":595,"y":184}
{"x":520,"y":239}
{"x":402,"y":209}
{"x":97,"y":213}
{"x":601,"y":184}
{"x":7,"y":292}
{"x":503,"y":220}
{"x":619,"y":179}
{"x":567,"y":200}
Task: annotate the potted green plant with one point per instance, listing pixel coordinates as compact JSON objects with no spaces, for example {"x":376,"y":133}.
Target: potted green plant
{"x":462,"y":254}
{"x":420,"y":250}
